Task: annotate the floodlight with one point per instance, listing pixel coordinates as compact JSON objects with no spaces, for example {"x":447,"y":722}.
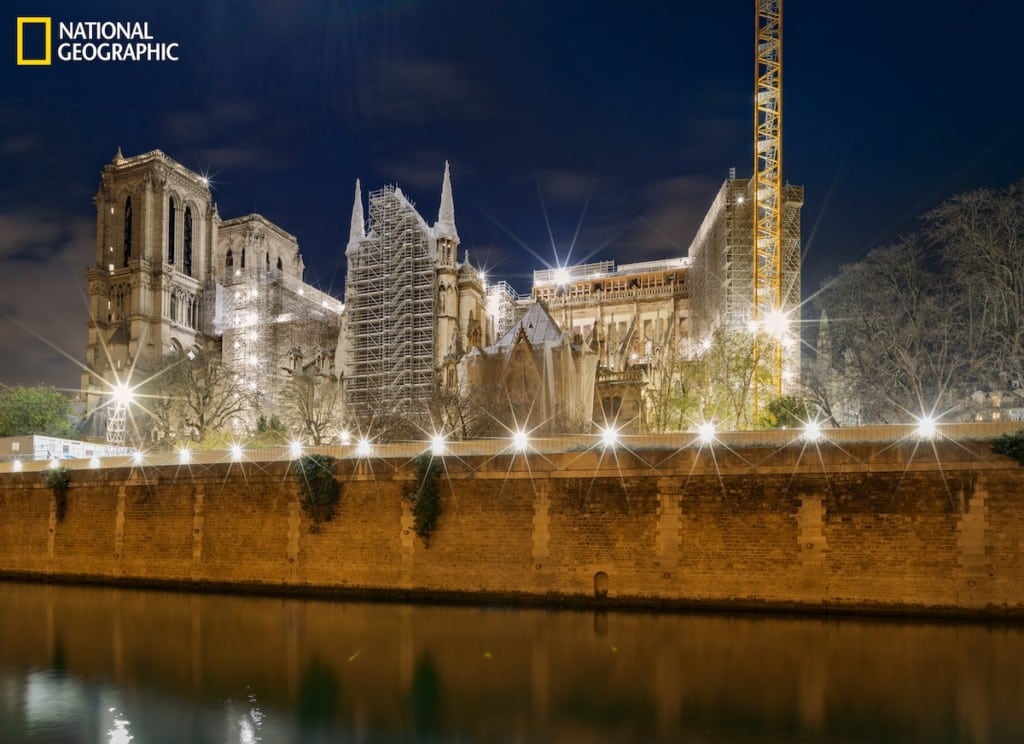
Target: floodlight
{"x":927,"y":428}
{"x":776,"y":324}
{"x":94,"y":462}
{"x":520,"y":441}
{"x":122,"y":394}
{"x":562,"y":276}
{"x":17,"y":466}
{"x":812,"y":431}
{"x":609,"y":436}
{"x":363,"y":448}
{"x":137,"y":457}
{"x":54,"y":464}
{"x":706,"y":432}
{"x":236,"y":452}
{"x":295,"y":449}
{"x":437,"y":445}
{"x":184,"y":456}
{"x":344,"y":437}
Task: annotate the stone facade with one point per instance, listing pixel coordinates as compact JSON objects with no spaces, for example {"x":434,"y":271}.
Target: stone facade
{"x":172,"y":278}
{"x":852,"y":527}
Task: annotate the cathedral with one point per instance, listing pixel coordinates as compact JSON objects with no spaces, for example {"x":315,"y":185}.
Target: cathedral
{"x":595,"y":343}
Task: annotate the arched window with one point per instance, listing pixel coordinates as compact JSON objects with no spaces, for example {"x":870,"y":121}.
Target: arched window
{"x":174,"y":306}
{"x":186,"y":243}
{"x":267,"y":256}
{"x":229,"y":259}
{"x":172,"y":212}
{"x":243,"y":258}
{"x":279,"y":264}
{"x":127,"y":230}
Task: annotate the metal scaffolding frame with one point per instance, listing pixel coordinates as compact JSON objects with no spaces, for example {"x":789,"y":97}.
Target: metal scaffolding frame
{"x":390,"y":300}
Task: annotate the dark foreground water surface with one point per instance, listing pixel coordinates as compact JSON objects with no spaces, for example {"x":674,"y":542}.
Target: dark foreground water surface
{"x":86,"y":664}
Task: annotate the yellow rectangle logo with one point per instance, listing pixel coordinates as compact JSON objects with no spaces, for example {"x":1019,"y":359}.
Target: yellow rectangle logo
{"x":34,"y":21}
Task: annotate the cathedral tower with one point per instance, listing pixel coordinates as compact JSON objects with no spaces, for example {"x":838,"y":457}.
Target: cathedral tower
{"x":155,"y":228}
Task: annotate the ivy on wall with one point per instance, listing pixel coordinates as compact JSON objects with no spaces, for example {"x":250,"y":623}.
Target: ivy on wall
{"x":57,"y":479}
{"x":1011,"y":445}
{"x":319,"y":491}
{"x":426,"y":496}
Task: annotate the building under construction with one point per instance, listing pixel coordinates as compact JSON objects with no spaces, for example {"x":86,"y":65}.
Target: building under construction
{"x":411,"y":309}
{"x":722,"y":268}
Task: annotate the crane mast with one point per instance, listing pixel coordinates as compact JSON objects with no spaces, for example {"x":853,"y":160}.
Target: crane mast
{"x":767,"y":201}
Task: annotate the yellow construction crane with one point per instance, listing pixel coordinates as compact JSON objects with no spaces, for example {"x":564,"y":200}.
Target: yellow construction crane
{"x":767,"y":201}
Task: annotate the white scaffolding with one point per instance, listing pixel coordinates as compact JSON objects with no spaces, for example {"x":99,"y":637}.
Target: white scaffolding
{"x":390,"y":305}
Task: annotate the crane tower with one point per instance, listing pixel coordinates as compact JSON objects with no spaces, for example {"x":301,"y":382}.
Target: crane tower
{"x":767,"y":202}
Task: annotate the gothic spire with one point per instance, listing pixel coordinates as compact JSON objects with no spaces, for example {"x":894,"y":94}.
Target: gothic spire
{"x":445,"y":226}
{"x":356,"y":232}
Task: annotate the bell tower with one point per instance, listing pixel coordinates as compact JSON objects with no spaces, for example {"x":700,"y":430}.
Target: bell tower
{"x":155,"y":228}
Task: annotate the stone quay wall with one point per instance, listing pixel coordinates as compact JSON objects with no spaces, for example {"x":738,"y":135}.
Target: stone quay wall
{"x":906,"y":526}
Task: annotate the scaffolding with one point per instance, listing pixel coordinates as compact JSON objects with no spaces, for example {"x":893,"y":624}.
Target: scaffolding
{"x":502,"y":306}
{"x":390,"y":306}
{"x":721,"y":255}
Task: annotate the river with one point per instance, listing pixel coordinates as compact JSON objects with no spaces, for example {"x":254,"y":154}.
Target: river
{"x":96,"y":664}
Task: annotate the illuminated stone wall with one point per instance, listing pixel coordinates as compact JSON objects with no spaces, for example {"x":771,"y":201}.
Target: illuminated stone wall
{"x":862,"y":526}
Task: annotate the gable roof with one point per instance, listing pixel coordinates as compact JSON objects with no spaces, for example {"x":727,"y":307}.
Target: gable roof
{"x":536,"y":324}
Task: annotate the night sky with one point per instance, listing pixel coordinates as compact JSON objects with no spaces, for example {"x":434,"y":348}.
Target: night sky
{"x":576,"y":130}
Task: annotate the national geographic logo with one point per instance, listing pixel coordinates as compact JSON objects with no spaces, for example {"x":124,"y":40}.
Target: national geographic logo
{"x":90,"y":41}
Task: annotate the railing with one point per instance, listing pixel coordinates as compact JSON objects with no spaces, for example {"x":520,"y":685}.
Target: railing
{"x":545,"y":446}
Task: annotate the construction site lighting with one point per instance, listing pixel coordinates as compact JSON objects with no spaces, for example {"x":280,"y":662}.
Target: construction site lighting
{"x":520,"y":441}
{"x":363,"y":448}
{"x":17,"y":466}
{"x":344,"y":437}
{"x":122,"y":394}
{"x":437,"y":445}
{"x":776,"y":324}
{"x":295,"y":450}
{"x":184,"y":456}
{"x":54,"y":464}
{"x":137,"y":457}
{"x":609,"y":436}
{"x":812,"y":431}
{"x":94,"y":462}
{"x":707,"y":432}
{"x":927,"y":428}
{"x":562,"y":276}
{"x":236,"y":452}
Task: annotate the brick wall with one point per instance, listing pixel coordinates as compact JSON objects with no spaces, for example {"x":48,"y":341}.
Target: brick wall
{"x":904,"y":528}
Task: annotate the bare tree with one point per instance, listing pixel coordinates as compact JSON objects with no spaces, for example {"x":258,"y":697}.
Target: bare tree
{"x":193,"y":397}
{"x":981,"y":235}
{"x":312,"y":404}
{"x":894,"y":327}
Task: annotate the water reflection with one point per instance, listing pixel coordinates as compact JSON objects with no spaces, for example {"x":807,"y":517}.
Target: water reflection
{"x":102,"y":665}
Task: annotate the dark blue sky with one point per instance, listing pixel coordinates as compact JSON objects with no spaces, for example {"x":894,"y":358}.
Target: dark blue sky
{"x":611,"y":122}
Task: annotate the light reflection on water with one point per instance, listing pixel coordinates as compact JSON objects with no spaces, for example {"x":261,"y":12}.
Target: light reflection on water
{"x":86,"y":664}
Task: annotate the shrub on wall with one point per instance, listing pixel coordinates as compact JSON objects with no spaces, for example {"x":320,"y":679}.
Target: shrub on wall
{"x":1011,"y":445}
{"x":426,"y":496}
{"x":320,"y":491}
{"x":57,"y":479}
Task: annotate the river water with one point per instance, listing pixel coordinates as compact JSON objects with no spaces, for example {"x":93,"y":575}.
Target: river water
{"x":91,"y":664}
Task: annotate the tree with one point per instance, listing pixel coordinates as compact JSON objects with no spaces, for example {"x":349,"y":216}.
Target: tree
{"x":981,"y":237}
{"x":725,"y":378}
{"x":786,"y":412}
{"x":35,"y":410}
{"x":894,"y":328}
{"x":312,"y":405}
{"x":195,"y":397}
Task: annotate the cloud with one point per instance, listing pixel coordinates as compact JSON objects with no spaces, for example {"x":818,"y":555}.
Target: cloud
{"x":407,"y":92}
{"x":198,"y":134}
{"x":43,"y":322}
{"x":667,"y":215}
